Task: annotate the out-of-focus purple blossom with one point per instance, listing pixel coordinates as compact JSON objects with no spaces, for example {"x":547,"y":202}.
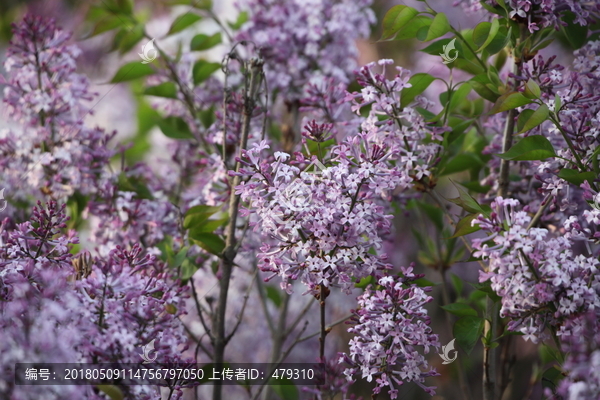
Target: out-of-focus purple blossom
{"x":56,"y":152}
{"x":301,"y":40}
{"x":391,"y":328}
{"x":540,"y":280}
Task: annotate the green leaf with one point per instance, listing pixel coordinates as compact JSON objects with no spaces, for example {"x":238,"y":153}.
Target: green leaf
{"x":207,"y":117}
{"x":395,"y":19}
{"x":575,"y":33}
{"x":575,"y":177}
{"x":486,"y":288}
{"x":530,"y":120}
{"x":419,"y":82}
{"x":469,"y":204}
{"x":175,"y":128}
{"x":410,"y":30}
{"x":180,"y":257}
{"x":204,"y":42}
{"x":459,"y":163}
{"x":422,"y":282}
{"x":532,"y":90}
{"x":467,"y":331}
{"x":208,"y":241}
{"x":203,"y":69}
{"x":197,"y":215}
{"x":460,"y":309}
{"x":484,"y":33}
{"x":188,"y":269}
{"x":166,"y":89}
{"x":439,"y":27}
{"x":364,"y":282}
{"x":437,"y":47}
{"x":535,"y":147}
{"x":111,"y":391}
{"x":130,"y":38}
{"x":133,"y":185}
{"x":464,"y":227}
{"x":509,"y":101}
{"x":274,"y":295}
{"x":241,"y":20}
{"x":285,"y":389}
{"x":209,"y":225}
{"x":131,"y":71}
{"x":435,"y":214}
{"x":182,"y":22}
{"x":551,"y":377}
{"x":457,"y":283}
{"x":484,"y":87}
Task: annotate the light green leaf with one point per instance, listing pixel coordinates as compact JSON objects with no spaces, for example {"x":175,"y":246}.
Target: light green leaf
{"x":395,"y":19}
{"x":111,"y":391}
{"x":535,"y":147}
{"x":484,"y":33}
{"x":575,"y":177}
{"x":439,"y":27}
{"x":465,"y":227}
{"x":204,"y":42}
{"x":131,"y":71}
{"x":183,"y":21}
{"x":532,"y":90}
{"x":532,"y":119}
{"x":411,"y":29}
{"x":166,"y":89}
{"x":509,"y":101}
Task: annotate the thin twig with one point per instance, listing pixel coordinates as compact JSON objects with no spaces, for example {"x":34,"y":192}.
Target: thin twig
{"x":246,"y":296}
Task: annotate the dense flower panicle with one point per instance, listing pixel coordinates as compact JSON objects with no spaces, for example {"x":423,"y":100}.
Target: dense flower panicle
{"x":128,"y":299}
{"x":539,"y":278}
{"x":582,"y":364}
{"x":541,"y":13}
{"x":391,"y":325}
{"x":301,"y":40}
{"x":56,"y":152}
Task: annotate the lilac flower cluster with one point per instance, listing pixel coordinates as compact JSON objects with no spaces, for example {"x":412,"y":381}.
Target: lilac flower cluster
{"x":541,"y":13}
{"x":107,"y":308}
{"x":56,"y":152}
{"x":582,"y":363}
{"x":301,"y":40}
{"x":541,"y":282}
{"x":391,"y":325}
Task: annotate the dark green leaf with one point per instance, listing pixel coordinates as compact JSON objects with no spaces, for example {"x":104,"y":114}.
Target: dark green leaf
{"x":175,"y":128}
{"x":285,"y":389}
{"x":532,"y":119}
{"x":459,"y":163}
{"x":468,"y":203}
{"x":203,"y":69}
{"x":465,"y":227}
{"x":183,"y":21}
{"x":509,"y":101}
{"x":131,"y":71}
{"x":274,"y":295}
{"x":467,"y":331}
{"x":484,"y":87}
{"x":126,"y":184}
{"x":551,"y":377}
{"x":166,"y":89}
{"x":576,"y":34}
{"x":419,"y":82}
{"x":575,"y":177}
{"x":535,"y":147}
{"x":460,"y":309}
{"x":457,"y":283}
{"x":395,"y":19}
{"x":208,"y":241}
{"x":487,"y":289}
{"x":435,"y":214}
{"x":208,"y":225}
{"x":180,"y":257}
{"x":204,"y":42}
{"x":422,"y":282}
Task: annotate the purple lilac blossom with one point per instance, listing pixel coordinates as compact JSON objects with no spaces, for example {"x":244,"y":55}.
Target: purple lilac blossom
{"x":391,"y":325}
